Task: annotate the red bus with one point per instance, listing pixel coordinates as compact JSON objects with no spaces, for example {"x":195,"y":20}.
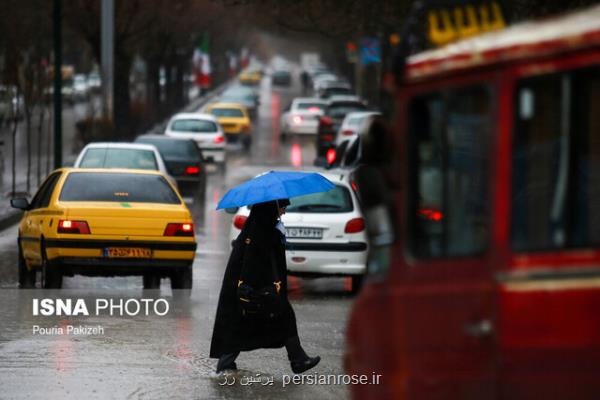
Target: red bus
{"x":491,"y":286}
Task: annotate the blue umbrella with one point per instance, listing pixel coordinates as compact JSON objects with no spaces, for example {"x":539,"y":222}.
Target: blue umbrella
{"x":275,"y":185}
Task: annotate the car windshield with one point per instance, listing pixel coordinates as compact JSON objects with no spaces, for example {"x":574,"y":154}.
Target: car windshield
{"x":314,"y":107}
{"x":173,"y":148}
{"x":336,"y":200}
{"x":118,"y":158}
{"x":227,"y":112}
{"x":339,"y":110}
{"x":193,"y":125}
{"x":117,"y":187}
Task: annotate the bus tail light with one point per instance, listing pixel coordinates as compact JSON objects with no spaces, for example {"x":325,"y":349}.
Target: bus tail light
{"x":355,"y":225}
{"x":77,"y":227}
{"x":179,"y":229}
{"x":239,"y":221}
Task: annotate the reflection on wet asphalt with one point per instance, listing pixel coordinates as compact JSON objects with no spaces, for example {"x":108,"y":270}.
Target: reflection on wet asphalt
{"x":156,"y":357}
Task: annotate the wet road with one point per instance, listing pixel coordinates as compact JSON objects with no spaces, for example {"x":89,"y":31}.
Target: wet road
{"x":152,"y":356}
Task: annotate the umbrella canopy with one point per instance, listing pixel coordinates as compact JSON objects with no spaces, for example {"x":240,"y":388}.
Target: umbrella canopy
{"x":275,"y":185}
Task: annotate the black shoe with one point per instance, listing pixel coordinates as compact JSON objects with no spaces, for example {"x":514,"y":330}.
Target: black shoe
{"x":300,"y":366}
{"x":229,"y":367}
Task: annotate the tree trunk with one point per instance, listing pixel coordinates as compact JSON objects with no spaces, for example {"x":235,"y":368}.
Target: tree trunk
{"x":122,"y":100}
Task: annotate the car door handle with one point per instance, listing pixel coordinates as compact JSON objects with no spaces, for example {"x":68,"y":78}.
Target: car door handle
{"x":483,"y":328}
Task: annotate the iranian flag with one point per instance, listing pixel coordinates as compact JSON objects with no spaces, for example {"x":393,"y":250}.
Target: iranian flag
{"x":201,"y":61}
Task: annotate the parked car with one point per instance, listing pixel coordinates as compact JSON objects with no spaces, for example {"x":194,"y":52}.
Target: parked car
{"x":325,"y":232}
{"x":204,"y":129}
{"x":184,"y":163}
{"x":105,"y":222}
{"x":302,"y":117}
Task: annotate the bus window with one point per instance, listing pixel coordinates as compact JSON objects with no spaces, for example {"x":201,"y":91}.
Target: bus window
{"x":556,"y":162}
{"x":450,"y":146}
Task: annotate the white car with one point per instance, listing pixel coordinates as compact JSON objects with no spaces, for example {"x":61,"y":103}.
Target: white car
{"x":122,"y":155}
{"x":325,"y":232}
{"x":80,"y":87}
{"x":204,"y":130}
{"x":302,"y":118}
{"x":352,"y":124}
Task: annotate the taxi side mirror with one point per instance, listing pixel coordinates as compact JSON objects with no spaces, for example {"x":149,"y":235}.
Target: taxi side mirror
{"x":231,"y":210}
{"x":20,"y":202}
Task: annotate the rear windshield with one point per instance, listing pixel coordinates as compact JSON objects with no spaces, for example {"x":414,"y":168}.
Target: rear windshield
{"x":227,"y":112}
{"x":193,"y":125}
{"x":315,"y":107}
{"x":339,"y":110}
{"x":337,"y":200}
{"x":173,"y":148}
{"x":117,"y":187}
{"x":336,"y":91}
{"x":119,"y":158}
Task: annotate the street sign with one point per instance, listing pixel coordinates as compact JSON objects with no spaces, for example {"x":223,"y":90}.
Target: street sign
{"x":370,"y":51}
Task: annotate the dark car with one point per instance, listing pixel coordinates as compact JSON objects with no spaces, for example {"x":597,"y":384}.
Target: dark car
{"x":330,"y":122}
{"x":183,"y":161}
{"x":243,"y":95}
{"x":281,"y":77}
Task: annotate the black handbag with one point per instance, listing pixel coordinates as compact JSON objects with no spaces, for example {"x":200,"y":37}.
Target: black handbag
{"x":264,"y":302}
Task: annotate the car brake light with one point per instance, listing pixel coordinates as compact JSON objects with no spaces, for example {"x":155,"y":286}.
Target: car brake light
{"x":331,"y":155}
{"x":347,"y":132}
{"x":297,"y":119}
{"x":179,"y":229}
{"x":192,"y":170}
{"x":432,"y":215}
{"x":326,"y":121}
{"x":219,"y":139}
{"x":354,"y":186}
{"x":239,"y":221}
{"x":355,"y":225}
{"x":77,"y":227}
{"x":314,"y":109}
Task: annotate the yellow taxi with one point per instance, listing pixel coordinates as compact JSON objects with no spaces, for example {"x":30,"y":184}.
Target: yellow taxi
{"x":105,"y":222}
{"x":234,"y":120}
{"x":250,"y":77}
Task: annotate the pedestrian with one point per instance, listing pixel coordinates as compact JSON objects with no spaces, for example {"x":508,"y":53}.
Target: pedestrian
{"x":304,"y":78}
{"x":260,"y":244}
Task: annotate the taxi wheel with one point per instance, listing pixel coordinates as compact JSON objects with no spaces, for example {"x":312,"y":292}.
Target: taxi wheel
{"x":26,"y":276}
{"x":151,"y":281}
{"x":246,"y":142}
{"x":357,"y":281}
{"x":51,"y":277}
{"x":182,"y":279}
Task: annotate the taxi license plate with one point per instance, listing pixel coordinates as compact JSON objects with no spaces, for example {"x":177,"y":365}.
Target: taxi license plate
{"x":304,"y":233}
{"x":127,"y":252}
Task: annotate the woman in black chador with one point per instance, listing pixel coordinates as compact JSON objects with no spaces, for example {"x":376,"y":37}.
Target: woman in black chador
{"x":260,"y":245}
